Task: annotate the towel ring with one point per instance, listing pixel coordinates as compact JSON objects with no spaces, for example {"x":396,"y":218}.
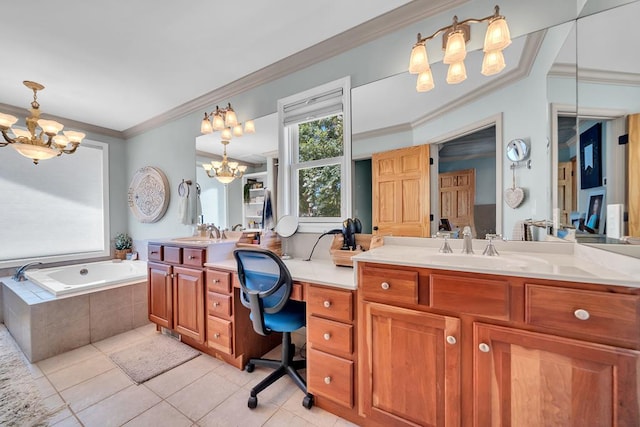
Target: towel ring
{"x":183,"y":188}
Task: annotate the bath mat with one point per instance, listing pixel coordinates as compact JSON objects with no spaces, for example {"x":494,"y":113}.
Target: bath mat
{"x":152,"y":357}
{"x":20,"y":400}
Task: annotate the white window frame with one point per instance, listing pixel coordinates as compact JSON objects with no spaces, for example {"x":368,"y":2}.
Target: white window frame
{"x":289,"y":166}
{"x":106,"y":249}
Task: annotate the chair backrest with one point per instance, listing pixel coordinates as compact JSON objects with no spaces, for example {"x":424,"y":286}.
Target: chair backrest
{"x":265,"y":284}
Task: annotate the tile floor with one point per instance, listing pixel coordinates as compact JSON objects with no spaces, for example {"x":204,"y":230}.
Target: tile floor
{"x":91,"y":390}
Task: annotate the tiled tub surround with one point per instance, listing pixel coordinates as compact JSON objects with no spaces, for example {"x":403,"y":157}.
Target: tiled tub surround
{"x":44,"y":325}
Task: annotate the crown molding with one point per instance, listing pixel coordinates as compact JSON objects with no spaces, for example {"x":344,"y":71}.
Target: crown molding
{"x":394,"y":20}
{"x":389,"y":130}
{"x":522,"y":70}
{"x":588,"y":75}
{"x":22,"y":112}
{"x":563,"y":70}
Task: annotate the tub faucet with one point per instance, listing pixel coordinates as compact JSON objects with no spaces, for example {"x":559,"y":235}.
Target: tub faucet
{"x":467,"y":247}
{"x":19,"y":276}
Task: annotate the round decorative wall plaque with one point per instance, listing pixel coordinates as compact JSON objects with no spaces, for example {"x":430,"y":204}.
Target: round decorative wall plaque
{"x":148,"y":194}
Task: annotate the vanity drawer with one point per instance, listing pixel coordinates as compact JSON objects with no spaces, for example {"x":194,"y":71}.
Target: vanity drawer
{"x":219,"y":304}
{"x":219,"y":334}
{"x":218,"y":281}
{"x":483,"y":297}
{"x":613,"y":317}
{"x":330,"y":303}
{"x":330,"y":336}
{"x":389,"y":285}
{"x":172,"y":254}
{"x":193,"y":257}
{"x":331,"y":377}
{"x":155,"y":252}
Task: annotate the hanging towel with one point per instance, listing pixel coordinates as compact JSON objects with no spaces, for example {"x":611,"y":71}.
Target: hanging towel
{"x":183,"y":209}
{"x":267,"y":211}
{"x":198,"y":206}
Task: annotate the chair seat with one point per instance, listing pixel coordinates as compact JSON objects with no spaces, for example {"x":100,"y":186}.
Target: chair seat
{"x":292,"y":317}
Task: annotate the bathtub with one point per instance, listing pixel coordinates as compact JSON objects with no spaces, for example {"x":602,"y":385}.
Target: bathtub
{"x":79,"y":278}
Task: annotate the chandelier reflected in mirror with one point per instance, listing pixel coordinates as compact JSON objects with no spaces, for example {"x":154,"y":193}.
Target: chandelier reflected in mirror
{"x":41,"y":145}
{"x":454,"y":40}
{"x":224,"y":171}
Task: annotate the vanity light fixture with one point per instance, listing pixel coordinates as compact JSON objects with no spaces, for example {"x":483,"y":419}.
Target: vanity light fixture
{"x":454,"y":41}
{"x":43,"y":145}
{"x":225,"y":120}
{"x":224,"y":171}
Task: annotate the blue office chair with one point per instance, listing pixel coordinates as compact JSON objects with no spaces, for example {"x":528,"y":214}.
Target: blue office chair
{"x":266,"y":286}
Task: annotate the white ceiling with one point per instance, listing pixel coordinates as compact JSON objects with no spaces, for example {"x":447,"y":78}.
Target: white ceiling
{"x":118,"y":63}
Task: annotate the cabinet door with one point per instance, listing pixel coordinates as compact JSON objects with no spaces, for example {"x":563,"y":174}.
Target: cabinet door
{"x":530,"y":379}
{"x":410,"y":367}
{"x":160,"y":295}
{"x":188,"y":302}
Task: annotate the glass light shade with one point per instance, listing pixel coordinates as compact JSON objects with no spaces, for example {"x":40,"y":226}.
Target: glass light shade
{"x":230,"y":118}
{"x":242,"y":168}
{"x":225,"y":179}
{"x":21,"y":133}
{"x":419,"y":62}
{"x":218,"y":122}
{"x":233,"y":165}
{"x":237,"y":130}
{"x":61,"y":140}
{"x":492,"y":63}
{"x":206,"y":166}
{"x":216,"y":164}
{"x":497,"y":36}
{"x":75,"y":137}
{"x":456,"y":49}
{"x":425,"y":81}
{"x":206,"y":126}
{"x":249,"y":127}
{"x":226,"y":134}
{"x":7,"y":120}
{"x":35,"y":152}
{"x":457,"y":73}
{"x":50,"y":127}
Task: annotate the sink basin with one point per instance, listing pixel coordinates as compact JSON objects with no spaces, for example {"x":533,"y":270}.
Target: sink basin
{"x":502,"y":261}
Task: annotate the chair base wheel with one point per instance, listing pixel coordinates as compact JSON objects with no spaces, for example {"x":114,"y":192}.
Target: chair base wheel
{"x":250,"y":367}
{"x":252,"y":403}
{"x":307,"y":402}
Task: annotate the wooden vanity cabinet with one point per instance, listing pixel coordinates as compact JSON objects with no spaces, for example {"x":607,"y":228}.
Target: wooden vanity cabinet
{"x":487,"y":350}
{"x":160,"y":294}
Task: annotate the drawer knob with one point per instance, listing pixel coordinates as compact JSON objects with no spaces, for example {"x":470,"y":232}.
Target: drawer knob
{"x":484,"y":348}
{"x":216,"y":304}
{"x":154,"y":252}
{"x":385,"y":285}
{"x":216,"y":335}
{"x":216,"y":280}
{"x":581,"y":314}
{"x":451,"y":339}
{"x":327,"y":336}
{"x":192,"y":257}
{"x":327,"y":304}
{"x":327,"y":380}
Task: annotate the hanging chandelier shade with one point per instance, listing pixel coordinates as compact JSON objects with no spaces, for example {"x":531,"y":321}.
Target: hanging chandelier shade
{"x":32,"y":144}
{"x":224,"y":171}
{"x":226,"y":121}
{"x":455,"y":38}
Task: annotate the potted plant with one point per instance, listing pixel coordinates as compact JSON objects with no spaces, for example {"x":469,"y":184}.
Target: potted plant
{"x":123,"y":243}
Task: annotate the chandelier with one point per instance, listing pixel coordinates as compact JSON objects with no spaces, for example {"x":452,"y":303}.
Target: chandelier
{"x":225,"y":120}
{"x":454,"y":42}
{"x":33,"y":145}
{"x":224,"y":171}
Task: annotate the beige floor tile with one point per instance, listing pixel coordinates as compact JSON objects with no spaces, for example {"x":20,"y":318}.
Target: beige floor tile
{"x":148,"y":329}
{"x":117,"y":342}
{"x":95,"y":389}
{"x":277,"y":393}
{"x":119,"y":408}
{"x":341,"y":422}
{"x":69,"y":358}
{"x":234,"y":412}
{"x":57,"y":408}
{"x":160,"y":415}
{"x":315,"y":415}
{"x":45,"y":387}
{"x":284,"y":418}
{"x":71,"y":421}
{"x":179,"y":377}
{"x":235,"y":375}
{"x":81,"y":371}
{"x":35,"y":370}
{"x":203,"y":395}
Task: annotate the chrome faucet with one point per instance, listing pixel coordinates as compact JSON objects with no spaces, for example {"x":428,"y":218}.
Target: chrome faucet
{"x":19,"y":276}
{"x":467,"y":247}
{"x":214,"y":232}
{"x":237,"y":227}
{"x":491,"y":250}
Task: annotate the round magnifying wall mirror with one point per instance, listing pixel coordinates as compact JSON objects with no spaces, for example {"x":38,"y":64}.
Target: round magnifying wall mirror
{"x":517,"y":150}
{"x":286,"y":227}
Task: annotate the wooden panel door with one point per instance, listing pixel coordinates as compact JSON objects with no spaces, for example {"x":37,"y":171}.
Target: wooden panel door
{"x":566,"y":191}
{"x":160,"y":295}
{"x":528,"y":379}
{"x":634,"y":175}
{"x":188,"y":303}
{"x":401,"y":192}
{"x":457,"y":197}
{"x":409,"y":367}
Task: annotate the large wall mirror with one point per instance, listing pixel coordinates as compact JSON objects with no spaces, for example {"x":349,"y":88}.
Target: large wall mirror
{"x":537,"y":98}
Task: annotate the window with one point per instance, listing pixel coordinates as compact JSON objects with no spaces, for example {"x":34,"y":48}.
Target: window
{"x":57,"y":210}
{"x":316,"y":151}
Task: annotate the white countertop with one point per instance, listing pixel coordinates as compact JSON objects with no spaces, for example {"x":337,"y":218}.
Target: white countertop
{"x":554,"y":261}
{"x":321,"y":271}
